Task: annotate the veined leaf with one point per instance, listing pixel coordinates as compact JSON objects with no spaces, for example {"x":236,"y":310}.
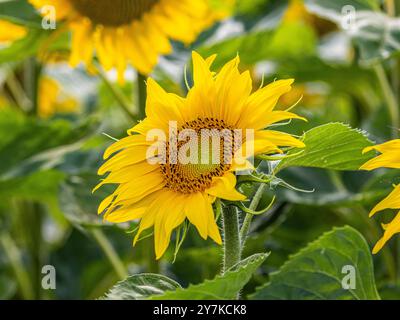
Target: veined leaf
{"x":140,"y":287}
{"x":331,"y":146}
{"x":319,"y":270}
{"x":222,"y":287}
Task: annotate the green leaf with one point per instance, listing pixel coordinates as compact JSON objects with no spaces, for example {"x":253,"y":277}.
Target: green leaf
{"x":41,"y":185}
{"x":248,"y":7}
{"x":316,"y":271}
{"x":223,"y":287}
{"x":331,"y":146}
{"x":140,"y":287}
{"x":30,"y":144}
{"x":290,"y":40}
{"x":77,"y":201}
{"x":20,"y":12}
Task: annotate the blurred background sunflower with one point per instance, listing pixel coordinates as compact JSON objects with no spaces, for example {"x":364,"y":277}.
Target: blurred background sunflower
{"x":130,"y":31}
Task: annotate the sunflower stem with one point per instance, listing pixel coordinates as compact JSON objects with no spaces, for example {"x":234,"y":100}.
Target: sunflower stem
{"x":389,"y":97}
{"x":244,"y":231}
{"x":32,"y":72}
{"x":122,"y":101}
{"x":142,"y":94}
{"x":13,"y":254}
{"x":110,"y":253}
{"x":232,"y":246}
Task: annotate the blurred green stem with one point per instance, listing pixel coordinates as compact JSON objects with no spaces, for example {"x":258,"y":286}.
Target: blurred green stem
{"x":17,"y":92}
{"x":14,"y":257}
{"x":389,"y":98}
{"x":153,"y":265}
{"x":32,"y":71}
{"x":110,"y":253}
{"x":142,"y":94}
{"x":36,"y":246}
{"x":117,"y":93}
{"x":232,"y":246}
{"x":244,"y":231}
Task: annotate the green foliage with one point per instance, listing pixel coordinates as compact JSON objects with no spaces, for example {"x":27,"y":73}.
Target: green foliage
{"x":332,"y":146}
{"x":316,"y":271}
{"x":298,"y":39}
{"x":21,"y":12}
{"x":31,"y":144}
{"x":222,"y":287}
{"x":140,"y":287}
{"x":40,"y":185}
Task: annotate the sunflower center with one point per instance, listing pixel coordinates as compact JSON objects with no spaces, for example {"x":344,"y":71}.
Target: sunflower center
{"x":113,"y":13}
{"x":205,"y":147}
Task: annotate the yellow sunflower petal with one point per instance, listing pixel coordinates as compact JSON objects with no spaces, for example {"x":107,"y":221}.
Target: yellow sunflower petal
{"x":170,"y":217}
{"x":260,"y":104}
{"x":131,"y":212}
{"x":392,"y":201}
{"x":162,"y":105}
{"x":279,"y":138}
{"x":390,"y":230}
{"x":224,"y":188}
{"x":213,"y":230}
{"x":11,"y":32}
{"x":389,"y":157}
{"x":277,"y":116}
{"x":195,"y":211}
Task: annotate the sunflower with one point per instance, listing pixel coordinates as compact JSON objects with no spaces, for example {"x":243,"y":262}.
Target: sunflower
{"x":130,"y":31}
{"x":166,"y":193}
{"x":10,"y":32}
{"x":389,"y":158}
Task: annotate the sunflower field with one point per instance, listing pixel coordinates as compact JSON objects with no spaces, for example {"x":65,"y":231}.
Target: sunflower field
{"x":199,"y":150}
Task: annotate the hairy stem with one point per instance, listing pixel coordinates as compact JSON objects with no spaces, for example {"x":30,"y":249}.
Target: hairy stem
{"x":232,"y":246}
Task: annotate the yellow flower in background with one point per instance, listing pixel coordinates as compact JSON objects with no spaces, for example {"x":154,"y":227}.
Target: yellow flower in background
{"x":10,"y":32}
{"x":3,"y":102}
{"x":389,"y":158}
{"x":296,"y":12}
{"x":131,"y":31}
{"x":52,"y":99}
{"x":164,"y":194}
